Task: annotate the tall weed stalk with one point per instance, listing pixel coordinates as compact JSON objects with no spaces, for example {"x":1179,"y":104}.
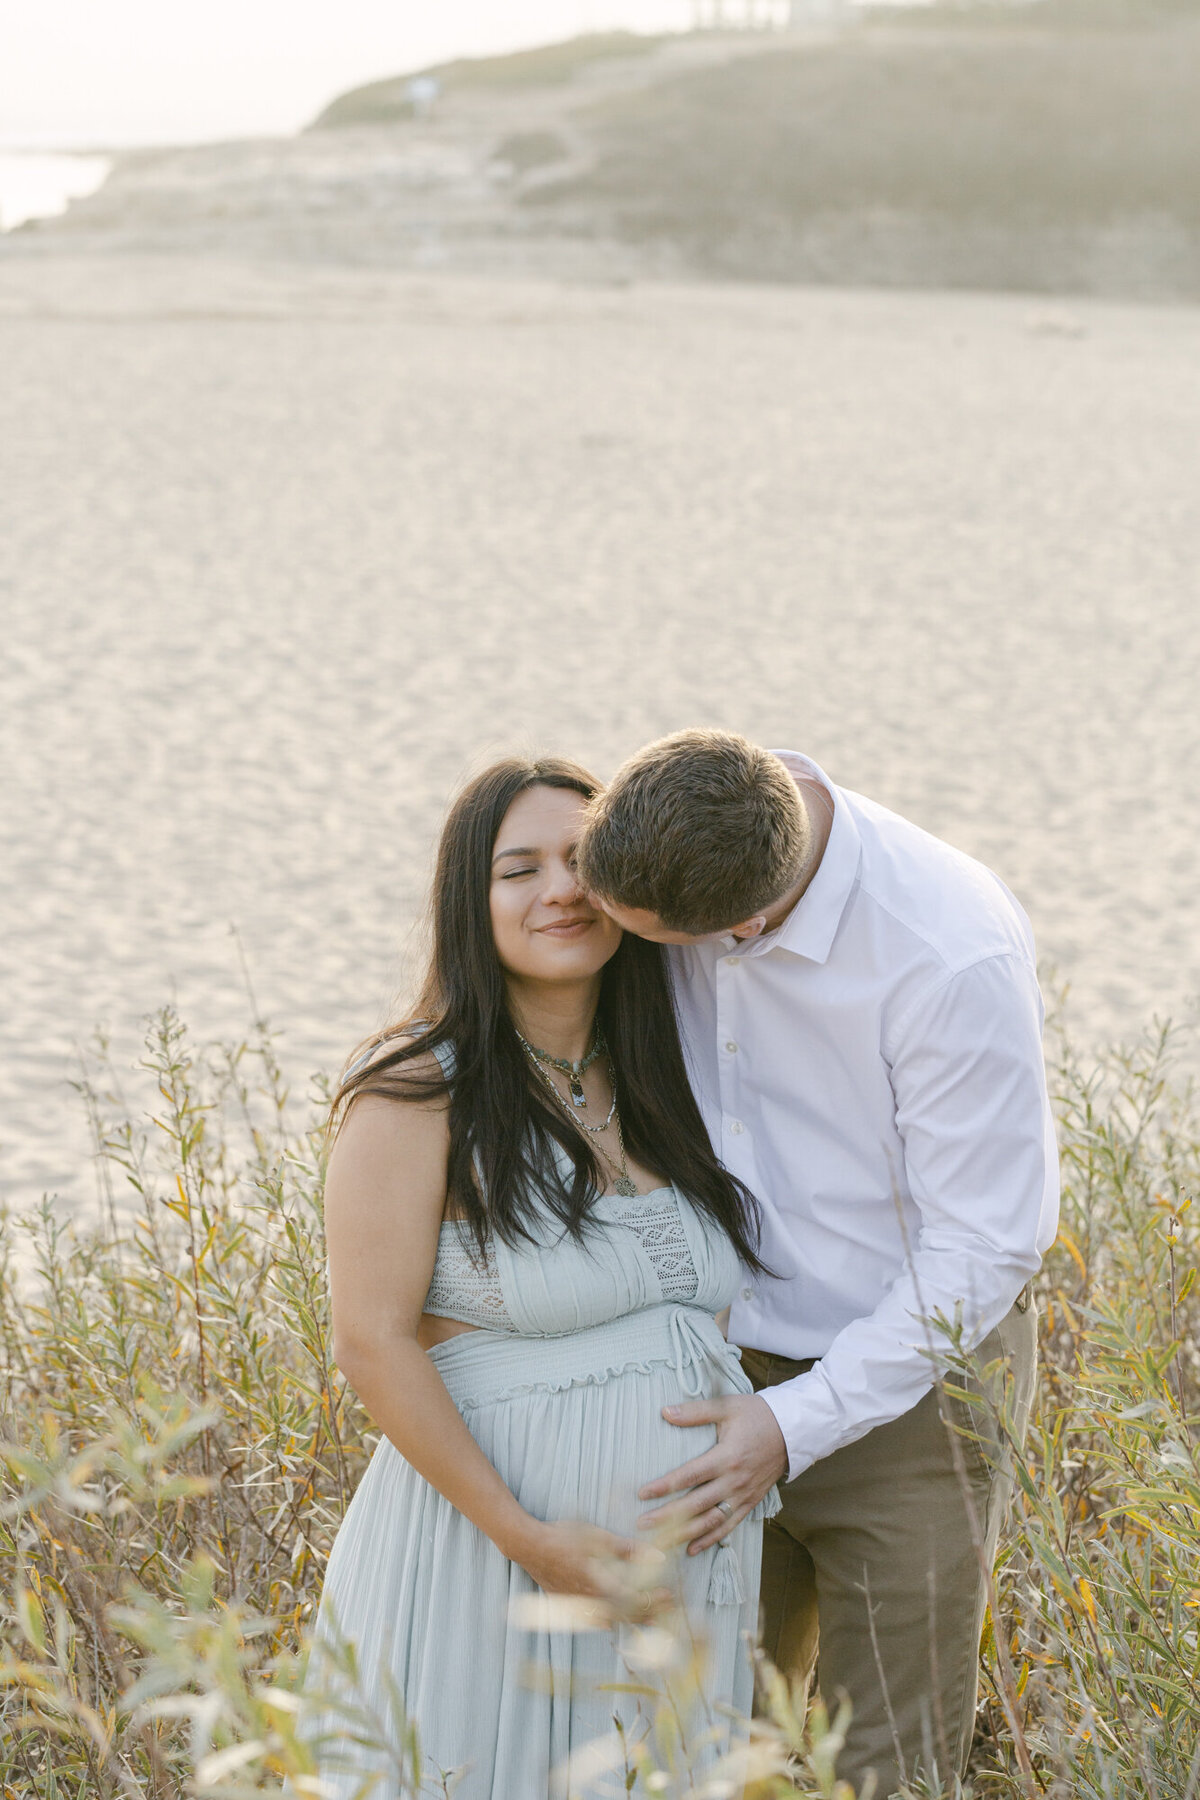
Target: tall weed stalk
{"x":1100,"y":1582}
{"x":179,"y":1447}
{"x":178,"y":1450}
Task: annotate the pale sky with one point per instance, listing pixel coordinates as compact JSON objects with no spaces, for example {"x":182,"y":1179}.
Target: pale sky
{"x":81,"y":72}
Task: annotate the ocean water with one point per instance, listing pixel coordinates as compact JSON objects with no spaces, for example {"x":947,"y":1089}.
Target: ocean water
{"x":284,"y":553}
{"x":40,"y":184}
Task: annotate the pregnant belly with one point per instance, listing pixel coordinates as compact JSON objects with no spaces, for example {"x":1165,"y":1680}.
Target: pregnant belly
{"x":574,"y":1425}
{"x":584,"y":1452}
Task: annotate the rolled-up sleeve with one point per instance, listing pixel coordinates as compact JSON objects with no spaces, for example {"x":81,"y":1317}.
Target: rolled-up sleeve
{"x":981,"y":1168}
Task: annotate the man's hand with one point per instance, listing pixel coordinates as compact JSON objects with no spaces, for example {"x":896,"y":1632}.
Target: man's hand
{"x":748,"y":1457}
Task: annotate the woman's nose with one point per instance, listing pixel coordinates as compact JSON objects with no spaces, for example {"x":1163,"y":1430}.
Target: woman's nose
{"x":561,"y":888}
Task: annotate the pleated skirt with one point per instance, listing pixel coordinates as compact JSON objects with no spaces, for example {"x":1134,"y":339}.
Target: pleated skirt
{"x":425,"y":1631}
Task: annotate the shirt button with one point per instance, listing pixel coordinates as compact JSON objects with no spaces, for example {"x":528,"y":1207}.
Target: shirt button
{"x":736,"y":1128}
{"x":731,"y":1047}
{"x":731,"y":962}
{"x":747,"y":1294}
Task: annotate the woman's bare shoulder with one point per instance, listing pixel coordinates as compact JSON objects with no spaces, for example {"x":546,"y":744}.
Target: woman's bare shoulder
{"x":394,"y":1108}
{"x":375,"y":1054}
{"x":374,"y":1074}
{"x":390,"y":1145}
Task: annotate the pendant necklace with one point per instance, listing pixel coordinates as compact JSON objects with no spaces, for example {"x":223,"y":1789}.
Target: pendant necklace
{"x":623,"y":1182}
{"x":574,"y":1071}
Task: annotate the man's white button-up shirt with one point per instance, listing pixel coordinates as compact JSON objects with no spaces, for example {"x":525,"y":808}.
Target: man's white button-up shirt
{"x":873,"y":1072}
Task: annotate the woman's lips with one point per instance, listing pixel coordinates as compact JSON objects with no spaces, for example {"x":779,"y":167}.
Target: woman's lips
{"x":573,"y":928}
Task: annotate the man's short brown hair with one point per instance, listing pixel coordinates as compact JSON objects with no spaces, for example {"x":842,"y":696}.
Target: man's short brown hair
{"x":701,"y":828}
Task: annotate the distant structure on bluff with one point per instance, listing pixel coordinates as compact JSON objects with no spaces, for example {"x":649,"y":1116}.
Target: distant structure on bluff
{"x":765,"y":15}
{"x":817,"y":12}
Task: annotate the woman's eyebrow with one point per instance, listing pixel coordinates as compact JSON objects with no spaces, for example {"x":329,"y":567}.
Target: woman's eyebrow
{"x":501,"y":854}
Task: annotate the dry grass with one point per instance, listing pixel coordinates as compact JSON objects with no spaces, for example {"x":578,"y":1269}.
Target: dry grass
{"x":547,"y":65}
{"x":179,"y":1450}
{"x":959,"y":155}
{"x":1036,"y":148}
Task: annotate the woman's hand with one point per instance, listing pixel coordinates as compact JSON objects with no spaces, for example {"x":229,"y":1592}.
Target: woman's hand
{"x":585,"y":1561}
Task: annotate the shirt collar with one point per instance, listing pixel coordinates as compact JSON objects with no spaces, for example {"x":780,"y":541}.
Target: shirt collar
{"x":811,"y":926}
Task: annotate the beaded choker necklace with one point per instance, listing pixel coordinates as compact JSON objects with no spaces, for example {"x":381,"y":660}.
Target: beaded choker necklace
{"x":574,"y":1071}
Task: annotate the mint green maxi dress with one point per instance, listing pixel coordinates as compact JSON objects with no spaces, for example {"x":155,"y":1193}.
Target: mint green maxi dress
{"x":579,"y":1347}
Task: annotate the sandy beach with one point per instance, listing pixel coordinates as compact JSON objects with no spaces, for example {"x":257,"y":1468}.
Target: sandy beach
{"x":286,"y":551}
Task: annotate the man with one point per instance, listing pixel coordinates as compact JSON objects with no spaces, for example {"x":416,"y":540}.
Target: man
{"x":862,"y":1020}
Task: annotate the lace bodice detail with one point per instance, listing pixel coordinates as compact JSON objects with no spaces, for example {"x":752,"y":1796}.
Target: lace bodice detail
{"x":466,"y":1288}
{"x":656,"y":1220}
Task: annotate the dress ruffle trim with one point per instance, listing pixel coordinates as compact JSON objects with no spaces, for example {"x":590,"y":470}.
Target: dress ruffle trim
{"x":559,"y":1384}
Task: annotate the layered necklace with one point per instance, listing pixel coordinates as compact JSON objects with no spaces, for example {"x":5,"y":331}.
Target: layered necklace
{"x":574,"y":1071}
{"x":543,"y":1062}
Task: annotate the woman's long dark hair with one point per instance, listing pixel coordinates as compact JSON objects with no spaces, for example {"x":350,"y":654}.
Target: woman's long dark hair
{"x":503,"y":1127}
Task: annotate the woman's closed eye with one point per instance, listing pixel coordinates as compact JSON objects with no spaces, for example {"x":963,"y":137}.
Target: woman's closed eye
{"x":513,"y":874}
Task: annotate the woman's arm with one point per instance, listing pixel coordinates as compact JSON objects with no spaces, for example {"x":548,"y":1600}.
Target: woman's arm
{"x":384,"y":1197}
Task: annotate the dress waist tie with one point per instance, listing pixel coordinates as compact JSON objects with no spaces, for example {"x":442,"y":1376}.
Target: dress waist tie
{"x":696,"y":1342}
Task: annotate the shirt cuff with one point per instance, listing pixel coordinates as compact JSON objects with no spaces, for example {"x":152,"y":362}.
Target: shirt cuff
{"x":808,"y":1414}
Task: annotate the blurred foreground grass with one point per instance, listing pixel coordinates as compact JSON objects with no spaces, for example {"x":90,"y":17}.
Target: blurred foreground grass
{"x":179,"y":1450}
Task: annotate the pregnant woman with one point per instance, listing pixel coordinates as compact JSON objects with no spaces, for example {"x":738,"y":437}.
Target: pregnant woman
{"x":529,"y":1242}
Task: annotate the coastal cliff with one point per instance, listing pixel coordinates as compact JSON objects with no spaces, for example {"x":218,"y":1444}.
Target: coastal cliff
{"x":1035,"y":154}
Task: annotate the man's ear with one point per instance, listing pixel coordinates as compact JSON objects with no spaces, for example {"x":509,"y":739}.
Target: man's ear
{"x":751,"y":928}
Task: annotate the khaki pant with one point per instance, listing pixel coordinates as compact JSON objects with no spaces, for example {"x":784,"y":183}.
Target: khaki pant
{"x":873,"y":1552}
